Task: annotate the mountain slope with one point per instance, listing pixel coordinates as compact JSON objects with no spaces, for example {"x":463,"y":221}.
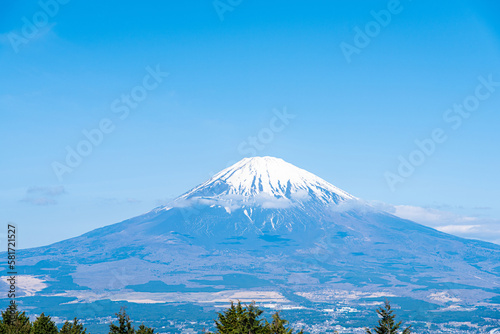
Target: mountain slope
{"x":266,"y":230}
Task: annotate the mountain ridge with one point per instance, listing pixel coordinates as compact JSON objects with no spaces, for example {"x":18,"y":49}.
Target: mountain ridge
{"x":250,"y":239}
{"x":267,"y":176}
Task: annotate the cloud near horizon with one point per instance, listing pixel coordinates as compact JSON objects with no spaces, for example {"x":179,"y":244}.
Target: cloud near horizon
{"x":486,"y":229}
{"x":43,"y":195}
{"x":234,"y":201}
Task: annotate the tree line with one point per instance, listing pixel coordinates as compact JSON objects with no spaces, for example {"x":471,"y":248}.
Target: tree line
{"x":237,"y":319}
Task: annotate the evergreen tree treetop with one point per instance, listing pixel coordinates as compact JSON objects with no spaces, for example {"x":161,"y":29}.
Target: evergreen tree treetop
{"x":144,"y":330}
{"x":124,"y":324}
{"x":73,"y":328}
{"x":14,"y":321}
{"x":387,"y":324}
{"x":238,"y":319}
{"x":44,"y":325}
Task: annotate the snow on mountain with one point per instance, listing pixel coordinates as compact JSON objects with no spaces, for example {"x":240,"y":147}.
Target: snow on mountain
{"x":268,"y":182}
{"x":268,"y":231}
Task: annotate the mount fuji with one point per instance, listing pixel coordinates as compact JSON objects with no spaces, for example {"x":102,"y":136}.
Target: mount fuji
{"x":264,"y":230}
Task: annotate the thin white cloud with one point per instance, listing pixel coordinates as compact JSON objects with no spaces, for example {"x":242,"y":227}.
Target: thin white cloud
{"x":43,"y":195}
{"x":232,"y":201}
{"x":485,"y":229}
{"x":39,"y":201}
{"x":430,"y":216}
{"x":462,"y":226}
{"x":452,"y":229}
{"x":300,"y":195}
{"x":353,"y":204}
{"x":47,"y":191}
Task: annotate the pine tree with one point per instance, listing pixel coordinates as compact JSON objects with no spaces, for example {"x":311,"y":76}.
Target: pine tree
{"x":387,"y":325}
{"x":238,"y":319}
{"x":251,"y":322}
{"x":144,"y":330}
{"x":228,"y":320}
{"x":277,"y":326}
{"x":124,"y":324}
{"x":44,"y":325}
{"x":73,"y":328}
{"x":14,"y":322}
{"x":246,"y":320}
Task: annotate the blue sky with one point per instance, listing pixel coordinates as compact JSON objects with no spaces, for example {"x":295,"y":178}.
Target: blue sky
{"x":232,"y":65}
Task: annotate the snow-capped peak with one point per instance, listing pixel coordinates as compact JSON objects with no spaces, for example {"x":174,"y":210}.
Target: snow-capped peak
{"x":268,"y":177}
